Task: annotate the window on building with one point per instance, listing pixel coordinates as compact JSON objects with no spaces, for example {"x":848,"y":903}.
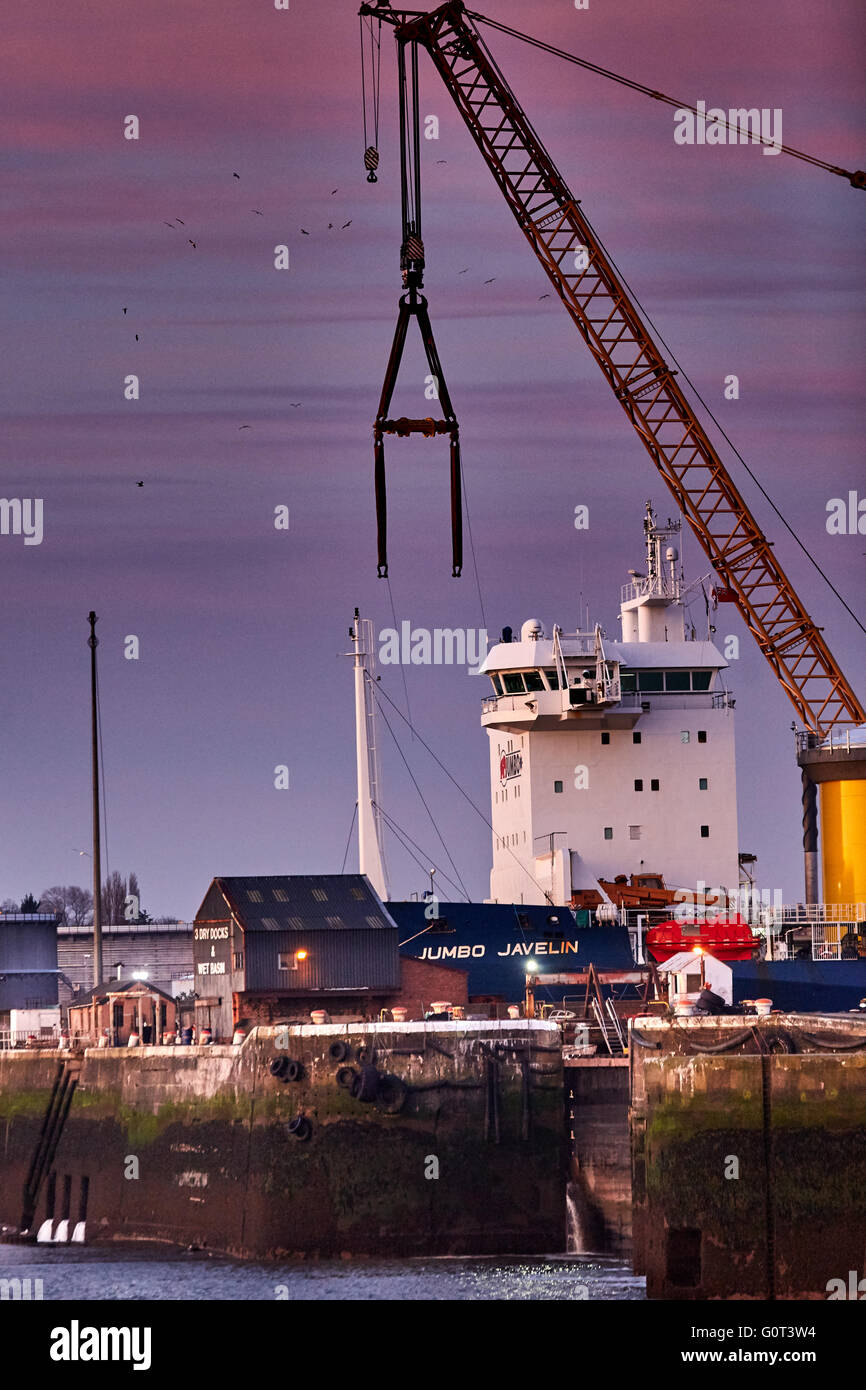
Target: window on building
{"x":296,"y":922}
{"x":701,"y":680}
{"x":705,"y":832}
{"x":685,"y":736}
{"x":370,"y":920}
{"x":254,"y":895}
{"x":357,"y":892}
{"x":636,"y":737}
{"x":238,"y":960}
{"x":533,"y":680}
{"x":608,"y":832}
{"x":638,"y":784}
{"x":628,"y":682}
{"x":286,"y":960}
{"x":337,"y":922}
{"x":552,"y":679}
{"x":677,"y":680}
{"x":605,"y":738}
{"x":654,"y":784}
{"x":634,"y":832}
{"x":651,"y":680}
{"x":320,"y":895}
{"x":270,"y":922}
{"x":281,"y":895}
{"x":497,"y":685}
{"x":702,"y":735}
{"x":557,"y":786}
{"x":704,"y":783}
{"x":513,"y":682}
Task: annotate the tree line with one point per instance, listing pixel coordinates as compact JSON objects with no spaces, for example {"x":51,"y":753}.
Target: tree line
{"x":120,"y":901}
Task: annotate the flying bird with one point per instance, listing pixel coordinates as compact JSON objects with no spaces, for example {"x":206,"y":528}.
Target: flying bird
{"x":191,"y":242}
{"x":544,"y":296}
{"x":463,"y":272}
{"x":124,"y":311}
{"x":330,"y":226}
{"x":139,"y":485}
{"x":441,"y":161}
{"x":235,"y":176}
{"x":182,"y":224}
{"x":256,"y":211}
{"x":136,"y":337}
{"x":295,"y":404}
{"x":244,"y":427}
{"x":346,"y":224}
{"x":304,"y":232}
{"x":490,"y":281}
{"x":168,"y":224}
{"x":333,"y":191}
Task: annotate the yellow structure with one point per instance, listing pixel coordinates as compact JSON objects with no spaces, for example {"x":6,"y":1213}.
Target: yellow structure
{"x":843,"y":840}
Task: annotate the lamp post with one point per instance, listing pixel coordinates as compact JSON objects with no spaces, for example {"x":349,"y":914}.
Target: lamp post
{"x":93,"y":643}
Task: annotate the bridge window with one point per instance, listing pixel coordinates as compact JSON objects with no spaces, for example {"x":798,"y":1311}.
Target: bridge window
{"x":628,"y":682}
{"x":608,"y":832}
{"x":497,"y":684}
{"x":678,"y":680}
{"x":513,"y":683}
{"x":651,"y":680}
{"x":552,"y":679}
{"x":701,"y":680}
{"x":533,"y":680}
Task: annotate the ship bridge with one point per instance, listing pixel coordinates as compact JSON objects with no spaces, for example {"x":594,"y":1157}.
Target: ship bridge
{"x":612,"y":757}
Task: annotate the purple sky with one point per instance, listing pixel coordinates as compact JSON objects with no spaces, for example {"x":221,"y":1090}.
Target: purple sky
{"x":748,"y":264}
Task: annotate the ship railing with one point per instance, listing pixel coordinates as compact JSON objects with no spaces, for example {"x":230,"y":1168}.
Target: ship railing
{"x":841,"y":740}
{"x":804,"y":914}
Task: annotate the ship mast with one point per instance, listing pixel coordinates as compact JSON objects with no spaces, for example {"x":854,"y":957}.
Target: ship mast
{"x":371,"y":857}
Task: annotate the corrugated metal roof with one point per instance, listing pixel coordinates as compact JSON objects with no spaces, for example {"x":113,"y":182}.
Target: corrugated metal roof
{"x":304,"y":902}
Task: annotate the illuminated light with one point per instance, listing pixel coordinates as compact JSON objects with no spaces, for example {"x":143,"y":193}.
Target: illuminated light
{"x":300,"y":955}
{"x":531,"y":965}
{"x":139,"y":974}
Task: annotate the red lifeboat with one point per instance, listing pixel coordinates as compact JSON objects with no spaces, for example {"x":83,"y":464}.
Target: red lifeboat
{"x":726,"y":938}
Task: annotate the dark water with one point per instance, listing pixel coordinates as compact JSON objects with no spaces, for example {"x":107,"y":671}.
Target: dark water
{"x":136,"y":1272}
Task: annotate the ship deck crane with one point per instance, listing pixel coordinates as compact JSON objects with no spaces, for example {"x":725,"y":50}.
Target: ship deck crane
{"x":583,"y":275}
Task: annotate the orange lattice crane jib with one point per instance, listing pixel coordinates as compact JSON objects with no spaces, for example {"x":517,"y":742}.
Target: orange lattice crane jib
{"x":596,"y":299}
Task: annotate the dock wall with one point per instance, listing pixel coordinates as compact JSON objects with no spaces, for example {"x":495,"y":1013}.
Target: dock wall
{"x":461,"y":1150}
{"x":749,"y":1156}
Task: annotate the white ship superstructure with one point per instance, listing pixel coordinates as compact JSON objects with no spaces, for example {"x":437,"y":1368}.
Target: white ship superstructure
{"x":612,"y":758}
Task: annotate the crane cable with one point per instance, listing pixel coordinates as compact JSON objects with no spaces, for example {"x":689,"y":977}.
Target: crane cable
{"x":857,"y":180}
{"x":371,"y":151}
{"x":377,"y":690}
{"x":727,"y":438}
{"x":382,"y":694}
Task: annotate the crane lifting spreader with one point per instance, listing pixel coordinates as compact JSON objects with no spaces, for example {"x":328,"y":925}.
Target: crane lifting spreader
{"x":601,"y":307}
{"x":412,"y":304}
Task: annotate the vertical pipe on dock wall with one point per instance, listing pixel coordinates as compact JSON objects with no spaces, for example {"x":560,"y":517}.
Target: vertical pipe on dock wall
{"x":810,"y":838}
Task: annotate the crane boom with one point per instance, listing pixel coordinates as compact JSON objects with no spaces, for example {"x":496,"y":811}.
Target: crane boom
{"x":577,"y":265}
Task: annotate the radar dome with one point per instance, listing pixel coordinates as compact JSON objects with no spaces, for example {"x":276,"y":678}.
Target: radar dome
{"x":531,"y":630}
